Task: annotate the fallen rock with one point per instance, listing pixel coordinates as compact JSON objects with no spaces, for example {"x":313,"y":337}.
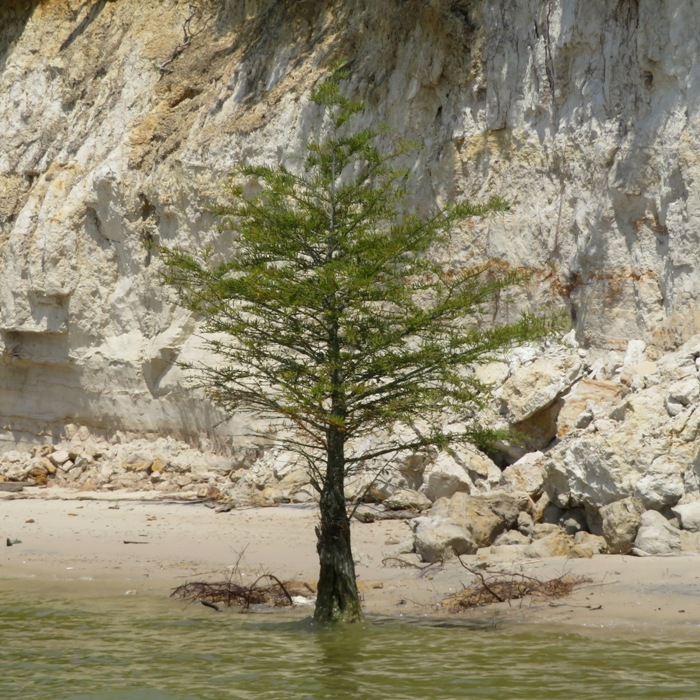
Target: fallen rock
{"x":577,"y":401}
{"x":541,"y":530}
{"x":682,"y":394}
{"x":158,"y":466}
{"x":407,"y":499}
{"x":39,"y":475}
{"x":688,"y":515}
{"x":656,"y":536}
{"x":537,"y":431}
{"x":690,"y":541}
{"x":434,"y":539}
{"x":525,"y":523}
{"x":644,"y":446}
{"x":411,"y":468}
{"x":445,"y":478}
{"x":371,"y":513}
{"x":59,"y":457}
{"x":306,"y":494}
{"x":481,"y":518}
{"x":458,"y":472}
{"x":527,"y":474}
{"x":13,"y":486}
{"x":293,"y":482}
{"x":507,"y":505}
{"x":137,"y":464}
{"x":364,"y":487}
{"x":591,"y":470}
{"x":587,"y":545}
{"x":538,"y":385}
{"x":620,"y":522}
{"x":480,"y":525}
{"x":484,"y":516}
{"x":512,"y":537}
{"x":47,"y":464}
{"x":492,"y":374}
{"x":555,"y":544}
{"x":662,"y":486}
{"x":502,"y":553}
{"x":274,"y":494}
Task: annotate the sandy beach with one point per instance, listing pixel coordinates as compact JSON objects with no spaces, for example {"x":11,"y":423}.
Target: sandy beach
{"x":151,"y":547}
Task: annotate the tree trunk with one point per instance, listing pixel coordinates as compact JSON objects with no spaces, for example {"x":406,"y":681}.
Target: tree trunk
{"x":337,"y":598}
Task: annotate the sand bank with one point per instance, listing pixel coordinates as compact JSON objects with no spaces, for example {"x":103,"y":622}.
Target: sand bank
{"x":151,"y":547}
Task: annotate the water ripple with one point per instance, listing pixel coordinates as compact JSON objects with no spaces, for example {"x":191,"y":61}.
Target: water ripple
{"x":130,"y":648}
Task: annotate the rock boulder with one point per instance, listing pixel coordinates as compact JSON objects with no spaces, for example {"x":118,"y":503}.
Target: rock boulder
{"x":688,"y":515}
{"x":656,"y":536}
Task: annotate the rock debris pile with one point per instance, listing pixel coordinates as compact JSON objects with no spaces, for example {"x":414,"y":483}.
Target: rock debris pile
{"x":607,"y":461}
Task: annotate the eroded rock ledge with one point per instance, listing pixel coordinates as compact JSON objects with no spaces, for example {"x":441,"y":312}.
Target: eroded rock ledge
{"x":584,"y":115}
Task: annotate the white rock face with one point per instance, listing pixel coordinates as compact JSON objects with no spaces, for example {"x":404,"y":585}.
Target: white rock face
{"x":584,"y":116}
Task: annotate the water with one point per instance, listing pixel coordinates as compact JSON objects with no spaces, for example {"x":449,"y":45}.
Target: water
{"x":86,"y":646}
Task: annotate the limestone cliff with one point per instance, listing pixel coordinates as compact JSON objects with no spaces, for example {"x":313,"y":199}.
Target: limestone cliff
{"x":119,"y":119}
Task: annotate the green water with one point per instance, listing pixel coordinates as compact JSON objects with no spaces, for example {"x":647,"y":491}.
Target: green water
{"x":85,"y":645}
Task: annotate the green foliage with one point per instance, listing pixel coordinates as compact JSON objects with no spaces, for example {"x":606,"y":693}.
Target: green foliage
{"x":331,"y":316}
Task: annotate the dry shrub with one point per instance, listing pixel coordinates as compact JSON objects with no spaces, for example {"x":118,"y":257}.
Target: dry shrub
{"x":504,"y":587}
{"x":267,"y":589}
{"x":230,"y":593}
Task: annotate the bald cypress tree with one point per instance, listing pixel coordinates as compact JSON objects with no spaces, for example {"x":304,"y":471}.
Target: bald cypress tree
{"x":331,"y":318}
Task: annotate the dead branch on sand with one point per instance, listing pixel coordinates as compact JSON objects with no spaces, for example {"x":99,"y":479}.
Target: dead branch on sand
{"x":233,"y":592}
{"x":230,"y":593}
{"x":424,"y":569}
{"x":504,"y":587}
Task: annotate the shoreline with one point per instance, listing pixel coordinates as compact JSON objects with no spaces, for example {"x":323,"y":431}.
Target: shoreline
{"x":150,"y":547}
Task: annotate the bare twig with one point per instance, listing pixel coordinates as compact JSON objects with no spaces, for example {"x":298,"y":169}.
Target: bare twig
{"x":424,"y":569}
{"x":211,"y":605}
{"x":278,"y":582}
{"x":403,"y":563}
{"x":477,"y":573}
